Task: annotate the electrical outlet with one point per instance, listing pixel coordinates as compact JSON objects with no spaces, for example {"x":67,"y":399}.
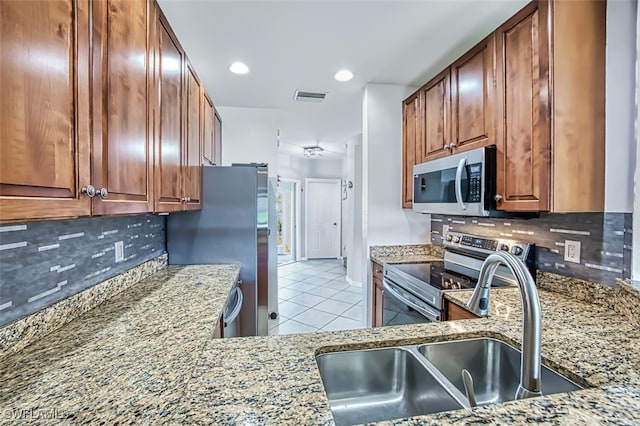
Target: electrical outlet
{"x":119,"y":249}
{"x":572,"y":251}
{"x":445,"y":229}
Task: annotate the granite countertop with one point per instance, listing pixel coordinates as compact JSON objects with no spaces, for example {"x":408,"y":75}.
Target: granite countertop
{"x":151,"y":359}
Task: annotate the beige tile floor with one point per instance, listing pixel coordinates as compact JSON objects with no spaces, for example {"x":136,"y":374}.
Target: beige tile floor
{"x":314,"y":295}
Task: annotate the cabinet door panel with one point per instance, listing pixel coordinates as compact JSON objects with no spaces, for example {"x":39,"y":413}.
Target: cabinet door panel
{"x":169,"y":139}
{"x":44,"y":104}
{"x":411,"y":148}
{"x":192,"y":153}
{"x":523,"y":148}
{"x":208,"y":138}
{"x":472,"y":81}
{"x":437,"y":111}
{"x":121,"y":161}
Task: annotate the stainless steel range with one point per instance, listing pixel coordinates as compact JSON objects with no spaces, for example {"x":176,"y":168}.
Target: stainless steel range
{"x":413,"y":292}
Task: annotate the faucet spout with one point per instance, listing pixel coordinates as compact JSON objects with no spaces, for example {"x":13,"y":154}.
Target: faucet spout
{"x":530,"y":367}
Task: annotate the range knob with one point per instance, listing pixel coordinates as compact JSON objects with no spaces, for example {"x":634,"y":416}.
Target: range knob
{"x":456,"y":239}
{"x":517,"y":250}
{"x":449,"y":237}
{"x":504,"y":247}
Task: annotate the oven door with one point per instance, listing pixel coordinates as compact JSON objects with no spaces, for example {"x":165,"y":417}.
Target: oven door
{"x":401,"y":307}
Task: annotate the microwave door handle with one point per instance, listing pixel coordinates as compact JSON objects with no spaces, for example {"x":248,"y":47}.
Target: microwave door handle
{"x":461,"y":164}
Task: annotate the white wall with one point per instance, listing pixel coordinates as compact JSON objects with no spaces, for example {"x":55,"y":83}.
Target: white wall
{"x":249,"y":135}
{"x":635,"y":272}
{"x":620,"y":100}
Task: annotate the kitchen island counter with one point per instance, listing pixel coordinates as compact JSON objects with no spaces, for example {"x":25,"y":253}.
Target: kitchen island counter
{"x":151,"y":359}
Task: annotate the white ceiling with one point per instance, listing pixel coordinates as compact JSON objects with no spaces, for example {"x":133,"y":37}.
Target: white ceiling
{"x":300,"y":44}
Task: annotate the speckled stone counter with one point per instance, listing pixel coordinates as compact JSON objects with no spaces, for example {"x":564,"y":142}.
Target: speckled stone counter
{"x":102,"y":367}
{"x":127,"y":360}
{"x":406,"y":253}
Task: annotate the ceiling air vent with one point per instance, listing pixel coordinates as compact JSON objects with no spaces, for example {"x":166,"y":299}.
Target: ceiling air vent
{"x":309,"y":96}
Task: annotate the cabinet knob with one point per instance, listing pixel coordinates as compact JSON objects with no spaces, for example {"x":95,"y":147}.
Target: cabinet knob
{"x":447,"y":146}
{"x":188,"y":199}
{"x":497,"y":197}
{"x":103,"y":193}
{"x":89,"y":191}
{"x":453,"y":145}
{"x":183,"y":199}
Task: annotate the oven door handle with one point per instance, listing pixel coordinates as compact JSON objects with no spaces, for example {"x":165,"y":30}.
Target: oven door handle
{"x":432,"y":316}
{"x":459,"y":170}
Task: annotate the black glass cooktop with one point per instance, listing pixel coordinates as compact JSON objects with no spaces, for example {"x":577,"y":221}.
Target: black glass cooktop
{"x":434,"y":274}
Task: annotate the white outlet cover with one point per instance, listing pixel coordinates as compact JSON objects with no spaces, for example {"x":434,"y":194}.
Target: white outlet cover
{"x":119,"y":250}
{"x":572,"y":251}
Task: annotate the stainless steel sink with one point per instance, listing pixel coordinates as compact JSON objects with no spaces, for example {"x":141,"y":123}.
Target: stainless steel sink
{"x":494,"y":366}
{"x":382,"y":384}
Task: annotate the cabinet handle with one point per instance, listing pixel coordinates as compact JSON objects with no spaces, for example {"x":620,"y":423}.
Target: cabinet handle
{"x":446,"y":146}
{"x":497,"y":197}
{"x":89,"y":191}
{"x":453,"y":145}
{"x":183,"y":199}
{"x":103,"y":193}
{"x":188,"y":199}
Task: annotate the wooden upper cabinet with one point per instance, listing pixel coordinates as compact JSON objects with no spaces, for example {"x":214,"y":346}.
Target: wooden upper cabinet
{"x":192,"y":176}
{"x":217,"y":139}
{"x":44,"y":109}
{"x":411,"y":144}
{"x":122,"y":161}
{"x":473,"y":97}
{"x":551,"y":139}
{"x":523,"y":134}
{"x":208,"y":130}
{"x":168,"y":149}
{"x":436,"y":117}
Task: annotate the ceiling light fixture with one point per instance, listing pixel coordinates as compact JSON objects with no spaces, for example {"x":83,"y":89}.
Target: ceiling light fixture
{"x":343,"y":75}
{"x":239,"y":68}
{"x":313,"y":151}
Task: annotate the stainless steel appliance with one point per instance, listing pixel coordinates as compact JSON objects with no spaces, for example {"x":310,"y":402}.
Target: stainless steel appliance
{"x":231,"y":313}
{"x":413,"y":292}
{"x":232,"y":227}
{"x":460,"y":184}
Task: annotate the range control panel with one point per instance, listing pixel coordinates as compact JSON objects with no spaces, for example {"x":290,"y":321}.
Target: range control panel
{"x":486,"y":245}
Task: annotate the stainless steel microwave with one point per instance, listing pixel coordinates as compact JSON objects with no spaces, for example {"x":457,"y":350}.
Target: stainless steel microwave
{"x":460,"y":184}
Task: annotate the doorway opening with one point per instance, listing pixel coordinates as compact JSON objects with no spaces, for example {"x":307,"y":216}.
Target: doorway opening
{"x":287,"y":213}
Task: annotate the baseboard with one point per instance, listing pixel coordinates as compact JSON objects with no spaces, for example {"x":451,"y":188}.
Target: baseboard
{"x":354,"y":283}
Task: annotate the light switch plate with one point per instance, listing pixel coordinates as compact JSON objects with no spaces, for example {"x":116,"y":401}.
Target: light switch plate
{"x":572,"y":251}
{"x":119,"y":249}
{"x":445,"y":229}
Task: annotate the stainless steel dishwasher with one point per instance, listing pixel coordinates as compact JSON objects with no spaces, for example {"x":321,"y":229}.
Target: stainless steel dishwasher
{"x":231,"y":313}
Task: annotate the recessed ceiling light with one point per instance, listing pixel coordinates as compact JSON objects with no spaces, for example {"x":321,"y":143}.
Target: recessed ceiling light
{"x":239,"y":68}
{"x":343,"y":75}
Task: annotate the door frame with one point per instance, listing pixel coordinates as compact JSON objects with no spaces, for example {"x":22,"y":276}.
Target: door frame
{"x":297,"y":189}
{"x":337,"y":181}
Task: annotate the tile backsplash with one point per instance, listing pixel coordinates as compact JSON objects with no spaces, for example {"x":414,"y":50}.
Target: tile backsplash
{"x":44,"y":262}
{"x":605,"y":240}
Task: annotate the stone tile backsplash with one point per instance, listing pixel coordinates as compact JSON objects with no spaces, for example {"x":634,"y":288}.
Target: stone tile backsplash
{"x":605,"y":240}
{"x":44,"y":262}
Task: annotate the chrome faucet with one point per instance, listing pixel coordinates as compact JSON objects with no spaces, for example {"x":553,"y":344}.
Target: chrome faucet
{"x":530,"y":368}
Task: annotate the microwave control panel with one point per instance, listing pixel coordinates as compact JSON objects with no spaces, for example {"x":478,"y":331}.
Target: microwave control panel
{"x":475,"y":182}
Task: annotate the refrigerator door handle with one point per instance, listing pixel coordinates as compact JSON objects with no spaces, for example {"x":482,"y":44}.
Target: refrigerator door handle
{"x":236,"y":309}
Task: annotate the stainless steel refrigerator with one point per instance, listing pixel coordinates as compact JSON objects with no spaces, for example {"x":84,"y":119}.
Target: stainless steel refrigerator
{"x":232,"y":227}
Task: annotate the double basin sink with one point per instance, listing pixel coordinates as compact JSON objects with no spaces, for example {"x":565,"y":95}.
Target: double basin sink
{"x":404,"y":381}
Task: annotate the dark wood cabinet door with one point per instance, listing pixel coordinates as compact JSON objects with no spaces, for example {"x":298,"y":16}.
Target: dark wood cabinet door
{"x":524,"y":151}
{"x":473,"y":97}
{"x":208,"y":138}
{"x":411,"y":145}
{"x":379,"y":304}
{"x":192,"y":148}
{"x":436,"y":117}
{"x":169,"y":135}
{"x":217,"y":139}
{"x":121,"y":160}
{"x":44,"y":109}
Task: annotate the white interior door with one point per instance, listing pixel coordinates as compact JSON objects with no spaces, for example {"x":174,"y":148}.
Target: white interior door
{"x":322,"y":218}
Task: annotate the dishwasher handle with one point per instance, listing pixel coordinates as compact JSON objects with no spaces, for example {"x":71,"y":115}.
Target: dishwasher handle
{"x":236,"y":309}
